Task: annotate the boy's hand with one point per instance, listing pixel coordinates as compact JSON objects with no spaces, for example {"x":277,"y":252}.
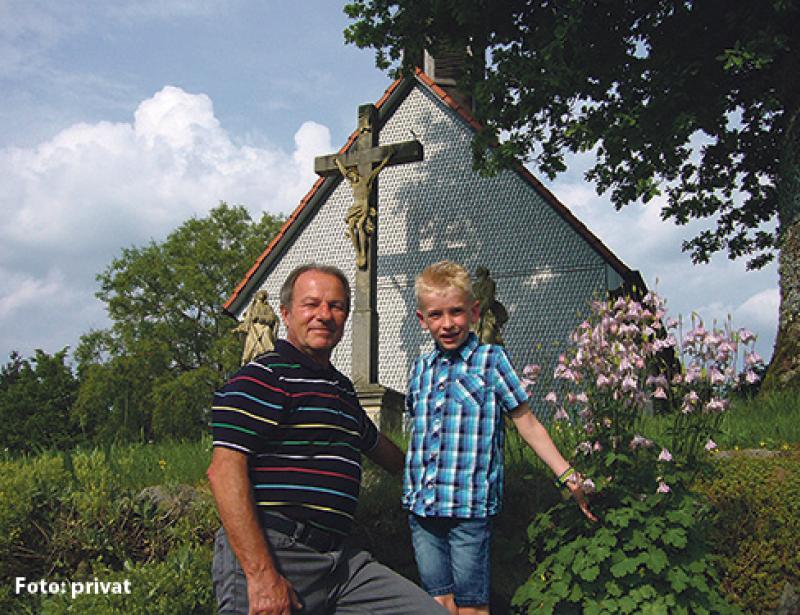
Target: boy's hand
{"x":575,"y":483}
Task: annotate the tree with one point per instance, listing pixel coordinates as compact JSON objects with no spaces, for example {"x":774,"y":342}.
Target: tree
{"x":35,"y":397}
{"x":164,"y":302}
{"x":695,"y":100}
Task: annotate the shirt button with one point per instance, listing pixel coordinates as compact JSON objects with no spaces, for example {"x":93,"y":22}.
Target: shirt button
{"x":441,"y":386}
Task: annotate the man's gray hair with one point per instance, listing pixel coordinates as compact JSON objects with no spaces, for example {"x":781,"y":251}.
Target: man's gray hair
{"x":287,"y":290}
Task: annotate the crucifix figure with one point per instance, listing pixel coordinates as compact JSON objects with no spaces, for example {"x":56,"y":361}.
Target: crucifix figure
{"x":360,"y":165}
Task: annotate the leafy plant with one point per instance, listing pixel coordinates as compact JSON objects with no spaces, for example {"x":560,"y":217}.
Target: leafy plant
{"x":649,"y":554}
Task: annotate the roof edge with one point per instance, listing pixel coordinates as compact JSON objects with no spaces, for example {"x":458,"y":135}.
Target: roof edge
{"x":388,"y":102}
{"x":551,"y":199}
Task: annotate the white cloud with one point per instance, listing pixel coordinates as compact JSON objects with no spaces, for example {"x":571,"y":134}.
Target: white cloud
{"x":760,"y":311}
{"x":69,"y":204}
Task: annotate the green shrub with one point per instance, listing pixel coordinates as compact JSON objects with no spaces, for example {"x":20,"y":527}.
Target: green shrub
{"x":85,"y":514}
{"x":648,"y":556}
{"x":756,"y":527}
{"x":178,"y":585}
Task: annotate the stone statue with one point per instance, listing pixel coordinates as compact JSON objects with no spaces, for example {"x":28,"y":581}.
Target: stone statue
{"x":493,"y":314}
{"x":260,"y":327}
{"x":360,"y":217}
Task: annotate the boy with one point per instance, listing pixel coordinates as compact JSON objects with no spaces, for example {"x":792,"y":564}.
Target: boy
{"x":457,"y":397}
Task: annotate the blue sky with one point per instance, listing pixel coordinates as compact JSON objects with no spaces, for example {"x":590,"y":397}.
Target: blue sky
{"x":119,"y":120}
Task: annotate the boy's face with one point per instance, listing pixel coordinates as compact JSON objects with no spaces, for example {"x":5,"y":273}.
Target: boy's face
{"x":447,"y":314}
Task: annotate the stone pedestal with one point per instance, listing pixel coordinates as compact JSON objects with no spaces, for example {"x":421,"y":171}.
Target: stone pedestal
{"x":384,"y":406}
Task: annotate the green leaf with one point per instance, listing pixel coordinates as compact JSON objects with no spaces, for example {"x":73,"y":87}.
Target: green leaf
{"x":656,"y":560}
{"x":624,"y":567}
{"x":678,"y":579}
{"x":613,"y":589}
{"x":590,"y":573}
{"x":675,"y":537}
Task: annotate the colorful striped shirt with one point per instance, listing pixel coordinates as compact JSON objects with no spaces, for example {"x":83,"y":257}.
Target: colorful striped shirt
{"x":454,"y":410}
{"x":303,"y":430}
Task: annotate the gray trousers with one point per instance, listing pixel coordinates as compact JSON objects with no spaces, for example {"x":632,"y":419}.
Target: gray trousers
{"x":346,"y":581}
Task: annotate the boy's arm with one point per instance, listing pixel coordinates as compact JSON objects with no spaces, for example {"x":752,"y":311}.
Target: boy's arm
{"x":536,"y":436}
{"x":387,"y":455}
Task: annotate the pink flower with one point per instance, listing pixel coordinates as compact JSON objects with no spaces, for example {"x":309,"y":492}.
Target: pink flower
{"x":665,"y":455}
{"x":640,"y":441}
{"x":597,"y":447}
{"x":551,"y":397}
{"x":711,"y":445}
{"x":561,"y":415}
{"x":602,"y":381}
{"x":716,"y":376}
{"x":629,"y":383}
{"x":588,"y":486}
{"x":584,"y":447}
{"x":745,"y":336}
{"x":660,"y":393}
{"x":692,"y":374}
{"x":663,"y":487}
{"x":751,"y":376}
{"x":581,"y":397}
{"x":752,"y":358}
{"x":715,"y":405}
{"x":532,"y":371}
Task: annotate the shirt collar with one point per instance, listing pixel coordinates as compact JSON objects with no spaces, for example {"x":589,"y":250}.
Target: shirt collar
{"x":288,"y":350}
{"x":464,"y":352}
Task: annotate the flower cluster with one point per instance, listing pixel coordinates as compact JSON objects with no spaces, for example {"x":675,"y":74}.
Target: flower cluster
{"x":628,"y":359}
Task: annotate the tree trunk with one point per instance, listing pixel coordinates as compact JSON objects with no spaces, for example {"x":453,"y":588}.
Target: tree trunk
{"x":784,"y":369}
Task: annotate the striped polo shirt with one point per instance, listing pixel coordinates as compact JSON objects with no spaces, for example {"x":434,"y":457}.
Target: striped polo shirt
{"x":455,"y":407}
{"x":303,"y":430}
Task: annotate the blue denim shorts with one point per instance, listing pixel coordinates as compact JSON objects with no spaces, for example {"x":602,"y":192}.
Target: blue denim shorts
{"x":453,"y":557}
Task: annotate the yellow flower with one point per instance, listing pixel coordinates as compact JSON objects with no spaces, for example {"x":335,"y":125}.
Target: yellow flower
{"x":762,"y":444}
{"x":162,"y":463}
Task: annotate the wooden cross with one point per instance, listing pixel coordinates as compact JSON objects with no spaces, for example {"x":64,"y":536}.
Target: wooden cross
{"x":360,"y":166}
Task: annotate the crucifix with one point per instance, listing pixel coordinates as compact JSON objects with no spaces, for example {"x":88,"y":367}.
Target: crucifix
{"x":360,"y":166}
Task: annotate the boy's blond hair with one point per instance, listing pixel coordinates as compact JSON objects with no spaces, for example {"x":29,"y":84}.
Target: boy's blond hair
{"x":441,"y":276}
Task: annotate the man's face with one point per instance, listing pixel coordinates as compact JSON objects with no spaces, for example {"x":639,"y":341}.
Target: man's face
{"x":315,"y":320}
{"x":448,"y":314}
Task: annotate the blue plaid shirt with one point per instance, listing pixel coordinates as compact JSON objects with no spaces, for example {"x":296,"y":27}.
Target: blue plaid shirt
{"x":454,"y":412}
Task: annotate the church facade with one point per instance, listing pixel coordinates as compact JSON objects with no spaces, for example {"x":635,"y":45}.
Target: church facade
{"x":546,"y":264}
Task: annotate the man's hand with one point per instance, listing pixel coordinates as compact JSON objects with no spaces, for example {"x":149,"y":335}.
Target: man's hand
{"x":271,"y":594}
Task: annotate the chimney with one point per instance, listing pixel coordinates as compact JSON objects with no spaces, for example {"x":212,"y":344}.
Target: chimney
{"x":445,"y":70}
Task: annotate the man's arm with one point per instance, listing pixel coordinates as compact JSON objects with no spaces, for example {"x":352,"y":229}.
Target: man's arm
{"x":267,"y":591}
{"x":536,"y":436}
{"x":387,"y":455}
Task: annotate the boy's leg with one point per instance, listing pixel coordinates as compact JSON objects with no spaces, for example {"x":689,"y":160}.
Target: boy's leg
{"x":470,"y":544}
{"x":429,"y":537}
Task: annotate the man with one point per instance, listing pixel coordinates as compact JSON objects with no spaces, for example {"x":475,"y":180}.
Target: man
{"x":285,"y":472}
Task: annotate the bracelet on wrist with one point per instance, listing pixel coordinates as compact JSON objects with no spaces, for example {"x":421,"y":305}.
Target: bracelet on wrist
{"x":565,"y":477}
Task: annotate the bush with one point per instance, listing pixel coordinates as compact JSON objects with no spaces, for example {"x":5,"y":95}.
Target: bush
{"x":30,"y":492}
{"x":178,"y":585}
{"x":756,"y":526}
{"x":649,"y":553}
{"x":83,"y":515}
